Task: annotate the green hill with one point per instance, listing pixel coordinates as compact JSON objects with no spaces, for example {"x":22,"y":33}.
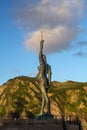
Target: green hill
{"x":20,"y":97}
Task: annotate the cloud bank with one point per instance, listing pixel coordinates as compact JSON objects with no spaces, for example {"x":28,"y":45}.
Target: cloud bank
{"x":61,"y":23}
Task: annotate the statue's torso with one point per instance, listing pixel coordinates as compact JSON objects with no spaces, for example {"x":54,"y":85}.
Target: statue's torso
{"x":42,"y":77}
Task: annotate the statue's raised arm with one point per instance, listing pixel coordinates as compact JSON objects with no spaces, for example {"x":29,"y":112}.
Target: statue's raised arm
{"x":41,"y":60}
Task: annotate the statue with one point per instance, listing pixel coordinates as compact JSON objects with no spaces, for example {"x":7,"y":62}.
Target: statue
{"x":44,"y":79}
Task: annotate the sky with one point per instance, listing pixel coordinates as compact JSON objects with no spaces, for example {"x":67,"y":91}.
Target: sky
{"x":64,"y":31}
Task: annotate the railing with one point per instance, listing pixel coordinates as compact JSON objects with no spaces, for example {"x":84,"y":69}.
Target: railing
{"x":68,"y":120}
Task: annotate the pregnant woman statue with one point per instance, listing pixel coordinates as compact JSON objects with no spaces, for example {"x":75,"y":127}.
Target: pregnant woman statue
{"x":44,"y":79}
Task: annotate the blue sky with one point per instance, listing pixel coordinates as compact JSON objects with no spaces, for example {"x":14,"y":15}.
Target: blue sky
{"x":65,"y":35}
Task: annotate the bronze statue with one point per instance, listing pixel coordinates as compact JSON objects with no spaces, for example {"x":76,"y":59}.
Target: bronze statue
{"x":44,"y":79}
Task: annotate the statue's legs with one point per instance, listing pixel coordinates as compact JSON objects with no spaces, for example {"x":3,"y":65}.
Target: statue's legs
{"x":45,"y":104}
{"x":49,"y":112}
{"x":42,"y":105}
{"x":45,"y":101}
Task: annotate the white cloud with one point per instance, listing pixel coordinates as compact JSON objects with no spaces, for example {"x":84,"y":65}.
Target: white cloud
{"x":61,"y":23}
{"x":56,"y":39}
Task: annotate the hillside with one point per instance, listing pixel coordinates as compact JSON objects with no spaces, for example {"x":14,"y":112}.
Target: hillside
{"x":21,"y":97}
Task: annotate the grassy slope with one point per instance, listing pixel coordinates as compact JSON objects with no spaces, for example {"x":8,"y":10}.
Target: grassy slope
{"x":21,"y":96}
